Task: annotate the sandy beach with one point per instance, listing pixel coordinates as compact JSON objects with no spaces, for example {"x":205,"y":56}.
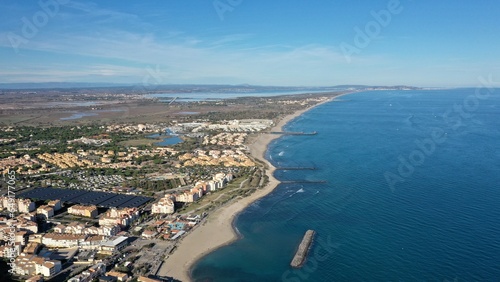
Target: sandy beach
{"x":218,"y":230}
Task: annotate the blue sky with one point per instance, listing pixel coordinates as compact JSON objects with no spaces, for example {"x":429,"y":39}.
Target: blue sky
{"x":262,"y":42}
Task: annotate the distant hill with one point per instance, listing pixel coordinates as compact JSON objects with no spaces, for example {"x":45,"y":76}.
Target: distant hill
{"x":187,"y":87}
{"x":55,"y":85}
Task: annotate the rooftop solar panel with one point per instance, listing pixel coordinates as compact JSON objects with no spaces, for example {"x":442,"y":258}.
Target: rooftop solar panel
{"x":117,"y":201}
{"x":95,"y":197}
{"x":136,"y":201}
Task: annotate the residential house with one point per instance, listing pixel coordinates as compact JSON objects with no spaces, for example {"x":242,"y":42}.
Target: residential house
{"x":120,"y":276}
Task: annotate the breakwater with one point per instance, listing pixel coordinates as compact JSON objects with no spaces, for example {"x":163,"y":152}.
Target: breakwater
{"x":301,"y":254}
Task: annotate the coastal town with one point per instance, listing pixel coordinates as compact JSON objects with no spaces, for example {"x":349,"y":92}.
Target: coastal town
{"x":91,"y":200}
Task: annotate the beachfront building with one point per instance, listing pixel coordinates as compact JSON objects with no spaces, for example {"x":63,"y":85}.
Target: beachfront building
{"x":114,"y":245}
{"x":149,"y":234}
{"x":187,"y":196}
{"x":222,"y":179}
{"x":164,"y":206}
{"x":80,"y":210}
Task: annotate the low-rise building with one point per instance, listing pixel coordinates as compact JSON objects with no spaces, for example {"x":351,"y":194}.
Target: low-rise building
{"x":32,"y":248}
{"x":120,"y":276}
{"x":56,"y":204}
{"x":90,"y":274}
{"x":28,"y":264}
{"x":149,"y":234}
{"x":45,"y":211}
{"x":53,"y":240}
{"x":114,"y":245}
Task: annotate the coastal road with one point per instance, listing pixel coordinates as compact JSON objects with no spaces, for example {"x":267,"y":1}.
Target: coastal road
{"x":243,"y":182}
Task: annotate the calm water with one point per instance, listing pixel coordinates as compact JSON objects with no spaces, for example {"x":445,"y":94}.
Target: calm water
{"x":202,"y":96}
{"x":437,"y":219}
{"x":79,"y":115}
{"x":170,"y":138}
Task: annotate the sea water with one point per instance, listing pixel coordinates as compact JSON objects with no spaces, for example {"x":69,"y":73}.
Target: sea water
{"x":412,"y":193}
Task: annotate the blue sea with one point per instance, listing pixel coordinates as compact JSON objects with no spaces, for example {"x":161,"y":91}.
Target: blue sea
{"x":412,"y":194}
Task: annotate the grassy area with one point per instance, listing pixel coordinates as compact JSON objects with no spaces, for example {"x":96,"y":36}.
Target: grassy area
{"x":215,"y":198}
{"x":17,"y":119}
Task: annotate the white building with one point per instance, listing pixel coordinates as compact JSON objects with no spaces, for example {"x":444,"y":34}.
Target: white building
{"x":25,"y":205}
{"x":114,"y":245}
{"x":28,"y":264}
{"x":53,"y":240}
{"x":123,"y":217}
{"x":56,"y":204}
{"x":45,"y":211}
{"x":164,"y":206}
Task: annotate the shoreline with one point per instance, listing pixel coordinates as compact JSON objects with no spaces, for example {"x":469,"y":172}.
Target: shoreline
{"x":219,"y":226}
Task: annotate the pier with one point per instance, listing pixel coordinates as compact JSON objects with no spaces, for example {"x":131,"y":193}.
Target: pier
{"x":301,"y":254}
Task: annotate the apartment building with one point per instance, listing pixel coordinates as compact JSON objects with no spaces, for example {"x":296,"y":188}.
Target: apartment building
{"x":25,"y":205}
{"x":29,"y":264}
{"x":55,"y":204}
{"x":164,"y":206}
{"x":122,"y":217}
{"x":53,"y":240}
{"x":80,"y":210}
{"x":79,"y":228}
{"x":22,"y":205}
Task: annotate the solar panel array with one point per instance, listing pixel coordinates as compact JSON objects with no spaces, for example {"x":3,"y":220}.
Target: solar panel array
{"x":100,"y":199}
